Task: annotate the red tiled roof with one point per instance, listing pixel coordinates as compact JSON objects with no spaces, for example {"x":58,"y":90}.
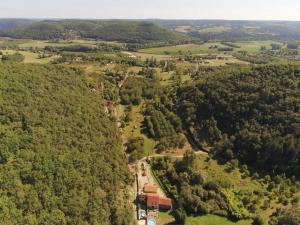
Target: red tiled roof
{"x":155,"y":200}
{"x":148,"y":188}
{"x":165,"y":202}
{"x":152,"y":200}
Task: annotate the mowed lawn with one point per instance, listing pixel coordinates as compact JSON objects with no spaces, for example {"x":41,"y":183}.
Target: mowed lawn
{"x":165,"y":218}
{"x":214,"y":220}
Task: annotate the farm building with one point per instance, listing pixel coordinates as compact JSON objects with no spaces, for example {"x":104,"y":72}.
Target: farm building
{"x":155,"y":202}
{"x":152,"y":201}
{"x":150,"y":188}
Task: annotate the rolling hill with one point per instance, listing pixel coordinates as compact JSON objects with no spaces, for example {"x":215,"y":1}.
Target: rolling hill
{"x":14,"y":23}
{"x":116,"y":30}
{"x":236,"y":30}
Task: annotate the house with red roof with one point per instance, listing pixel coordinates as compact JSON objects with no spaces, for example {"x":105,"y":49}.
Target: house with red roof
{"x":155,"y":202}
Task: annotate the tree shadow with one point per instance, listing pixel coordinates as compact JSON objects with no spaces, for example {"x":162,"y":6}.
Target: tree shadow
{"x":172,"y":223}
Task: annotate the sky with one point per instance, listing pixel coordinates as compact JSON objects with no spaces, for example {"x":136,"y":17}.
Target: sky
{"x":150,"y":9}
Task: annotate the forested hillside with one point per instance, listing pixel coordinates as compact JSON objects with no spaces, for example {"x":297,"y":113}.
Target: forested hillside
{"x":252,"y":115}
{"x":233,"y":30}
{"x":14,"y":23}
{"x":124,"y":31}
{"x":60,"y":155}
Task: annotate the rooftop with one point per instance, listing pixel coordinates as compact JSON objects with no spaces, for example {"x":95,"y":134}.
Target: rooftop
{"x":150,"y":188}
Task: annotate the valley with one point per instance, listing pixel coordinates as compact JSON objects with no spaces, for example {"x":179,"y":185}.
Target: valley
{"x":148,"y":123}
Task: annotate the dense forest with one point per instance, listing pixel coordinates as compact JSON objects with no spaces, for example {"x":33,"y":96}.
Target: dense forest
{"x":60,"y":155}
{"x":123,"y":31}
{"x":251,"y":114}
{"x":135,"y":89}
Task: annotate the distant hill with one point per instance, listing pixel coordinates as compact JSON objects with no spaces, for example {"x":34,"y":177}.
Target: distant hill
{"x":148,"y":31}
{"x":115,"y":30}
{"x":14,"y":23}
{"x":234,"y":30}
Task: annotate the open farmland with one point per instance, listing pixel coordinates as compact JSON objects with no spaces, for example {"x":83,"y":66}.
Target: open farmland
{"x":143,"y":56}
{"x":183,"y":49}
{"x":217,"y":29}
{"x":43,"y":44}
{"x":30,"y":57}
{"x":254,"y":46}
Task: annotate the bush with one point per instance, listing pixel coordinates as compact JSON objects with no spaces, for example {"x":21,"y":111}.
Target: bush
{"x":16,"y":57}
{"x":258,"y":221}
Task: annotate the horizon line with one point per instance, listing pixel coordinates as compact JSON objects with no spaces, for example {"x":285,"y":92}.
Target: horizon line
{"x":166,"y":19}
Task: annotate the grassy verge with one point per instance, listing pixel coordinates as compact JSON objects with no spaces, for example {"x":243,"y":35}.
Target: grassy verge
{"x":214,"y":220}
{"x":165,"y":218}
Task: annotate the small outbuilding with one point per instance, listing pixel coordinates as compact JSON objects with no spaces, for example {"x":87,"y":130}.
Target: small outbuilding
{"x":150,"y":188}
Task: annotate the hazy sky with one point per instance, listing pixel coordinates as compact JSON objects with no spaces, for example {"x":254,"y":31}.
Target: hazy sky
{"x":166,"y":9}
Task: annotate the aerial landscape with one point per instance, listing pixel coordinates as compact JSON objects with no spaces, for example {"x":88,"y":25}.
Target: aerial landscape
{"x":149,"y":116}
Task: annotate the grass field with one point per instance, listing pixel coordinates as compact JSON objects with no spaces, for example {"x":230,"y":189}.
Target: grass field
{"x":188,"y":48}
{"x":143,"y":56}
{"x":214,"y":220}
{"x":43,"y":44}
{"x":182,"y":29}
{"x":134,"y":129}
{"x":222,"y":61}
{"x":30,"y":57}
{"x":212,"y":171}
{"x":249,"y":46}
{"x":254,"y":46}
{"x":216,"y":29}
{"x":164,"y":218}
